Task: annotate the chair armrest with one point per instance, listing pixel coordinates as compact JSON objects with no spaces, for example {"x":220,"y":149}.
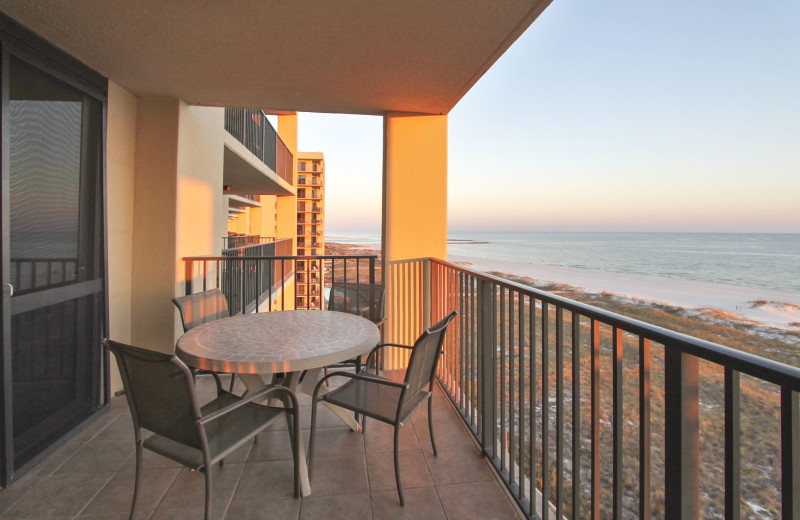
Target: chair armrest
{"x":380,"y":346}
{"x":410,"y":347}
{"x":248,"y":399}
{"x":360,"y":375}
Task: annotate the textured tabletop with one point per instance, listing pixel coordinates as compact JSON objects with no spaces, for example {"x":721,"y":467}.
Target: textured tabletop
{"x":285,"y":341}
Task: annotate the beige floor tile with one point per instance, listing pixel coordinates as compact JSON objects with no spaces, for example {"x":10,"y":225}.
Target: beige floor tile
{"x":420,"y":504}
{"x":341,"y":507}
{"x":476,"y":500}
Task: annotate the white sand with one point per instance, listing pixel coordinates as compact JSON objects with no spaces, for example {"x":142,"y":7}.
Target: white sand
{"x":781,"y":310}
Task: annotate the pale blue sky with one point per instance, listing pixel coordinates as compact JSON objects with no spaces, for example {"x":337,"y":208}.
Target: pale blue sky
{"x":610,"y":116}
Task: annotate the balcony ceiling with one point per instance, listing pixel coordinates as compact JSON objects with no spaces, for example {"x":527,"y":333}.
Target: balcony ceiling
{"x":347,"y":56}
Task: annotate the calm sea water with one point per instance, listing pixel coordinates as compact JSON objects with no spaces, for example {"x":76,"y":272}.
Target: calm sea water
{"x":759,"y":260}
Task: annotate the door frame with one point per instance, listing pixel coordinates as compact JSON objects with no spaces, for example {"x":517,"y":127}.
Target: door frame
{"x":17,"y":41}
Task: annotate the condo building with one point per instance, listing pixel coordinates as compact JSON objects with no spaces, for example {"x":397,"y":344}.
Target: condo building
{"x":309,"y":279}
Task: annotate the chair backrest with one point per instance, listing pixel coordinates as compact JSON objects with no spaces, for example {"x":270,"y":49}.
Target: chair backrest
{"x":201,"y":307}
{"x":160,"y":392}
{"x":361,"y":299}
{"x":424,"y":357}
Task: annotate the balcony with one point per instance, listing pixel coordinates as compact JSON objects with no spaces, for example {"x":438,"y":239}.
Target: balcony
{"x":513,"y":362}
{"x":650,"y":405}
{"x":252,"y":128}
{"x":91,"y":476}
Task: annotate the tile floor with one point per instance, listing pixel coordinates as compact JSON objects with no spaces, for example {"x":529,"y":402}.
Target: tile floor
{"x":91,"y":476}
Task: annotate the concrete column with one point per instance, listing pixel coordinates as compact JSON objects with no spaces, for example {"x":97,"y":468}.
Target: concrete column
{"x":178,"y":209}
{"x":414,"y":223}
{"x":154,"y":223}
{"x":287,"y":206}
{"x":414,"y":187}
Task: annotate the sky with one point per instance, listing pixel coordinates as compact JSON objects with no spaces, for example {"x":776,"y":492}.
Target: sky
{"x":630,"y":115}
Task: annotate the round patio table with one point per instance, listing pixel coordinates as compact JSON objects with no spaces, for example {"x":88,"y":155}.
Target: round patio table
{"x":281,"y":341}
{"x":253,"y":345}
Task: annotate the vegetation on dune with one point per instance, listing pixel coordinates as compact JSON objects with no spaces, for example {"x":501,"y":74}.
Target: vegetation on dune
{"x":760,"y":419}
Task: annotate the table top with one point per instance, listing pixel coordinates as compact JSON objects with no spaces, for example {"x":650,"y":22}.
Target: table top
{"x":281,"y":341}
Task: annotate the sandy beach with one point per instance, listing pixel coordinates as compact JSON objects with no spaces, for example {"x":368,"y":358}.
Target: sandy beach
{"x":770,"y":308}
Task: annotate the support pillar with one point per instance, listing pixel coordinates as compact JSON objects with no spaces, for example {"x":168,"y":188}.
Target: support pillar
{"x":414,"y":187}
{"x":414,"y":223}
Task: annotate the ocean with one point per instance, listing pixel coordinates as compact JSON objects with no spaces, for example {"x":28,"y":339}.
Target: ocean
{"x":763,"y":261}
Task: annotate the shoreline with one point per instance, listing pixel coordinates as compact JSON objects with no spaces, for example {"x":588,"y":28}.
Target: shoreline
{"x":775,"y":309}
{"x":760,"y":307}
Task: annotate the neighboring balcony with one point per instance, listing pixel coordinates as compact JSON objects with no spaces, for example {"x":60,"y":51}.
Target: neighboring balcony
{"x":256,"y":160}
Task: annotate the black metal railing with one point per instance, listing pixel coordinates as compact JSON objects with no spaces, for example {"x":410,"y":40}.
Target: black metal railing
{"x":260,"y":283}
{"x":30,"y":274}
{"x":252,"y":128}
{"x":585,"y":413}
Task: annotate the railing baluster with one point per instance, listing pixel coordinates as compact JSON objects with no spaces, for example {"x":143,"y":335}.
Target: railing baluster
{"x":463,"y":374}
{"x":595,"y":412}
{"x":511,"y":397}
{"x":644,"y":427}
{"x":545,"y":412}
{"x":790,"y":453}
{"x":559,"y":412}
{"x":681,"y":435}
{"x":732,"y":445}
{"x":576,"y":416}
{"x":242,"y":294}
{"x":488,"y":357}
{"x":532,"y":403}
{"x":503,"y":427}
{"x":521,"y":404}
{"x":617,"y":343}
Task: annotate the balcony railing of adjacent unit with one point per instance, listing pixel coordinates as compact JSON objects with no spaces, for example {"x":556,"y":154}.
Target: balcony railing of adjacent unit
{"x":546,"y":385}
{"x":234,"y":241}
{"x":257,"y":283}
{"x":252,"y":128}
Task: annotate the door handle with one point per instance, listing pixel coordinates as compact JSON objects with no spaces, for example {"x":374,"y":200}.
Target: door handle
{"x":8,"y":289}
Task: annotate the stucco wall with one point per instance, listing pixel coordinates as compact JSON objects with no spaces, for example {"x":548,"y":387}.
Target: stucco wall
{"x":120,"y":164}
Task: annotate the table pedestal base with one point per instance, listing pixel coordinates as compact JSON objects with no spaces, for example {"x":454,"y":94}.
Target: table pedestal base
{"x":255,"y":382}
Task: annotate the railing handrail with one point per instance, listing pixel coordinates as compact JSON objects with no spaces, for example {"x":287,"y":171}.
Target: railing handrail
{"x":766,"y":369}
{"x":261,"y":242}
{"x":285,"y":257}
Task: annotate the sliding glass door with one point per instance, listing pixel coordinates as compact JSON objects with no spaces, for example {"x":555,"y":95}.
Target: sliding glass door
{"x":52,"y":256}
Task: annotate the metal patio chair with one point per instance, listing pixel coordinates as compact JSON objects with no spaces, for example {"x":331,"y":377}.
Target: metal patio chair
{"x":386,"y":400}
{"x":162,"y":398}
{"x":362,"y":299}
{"x":196,"y":309}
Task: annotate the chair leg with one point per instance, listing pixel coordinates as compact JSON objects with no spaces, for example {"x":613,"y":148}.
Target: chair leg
{"x":298,"y":442}
{"x":397,"y":463}
{"x":138,"y":477}
{"x":430,"y":425}
{"x":208,"y":471}
{"x":311,"y":435}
